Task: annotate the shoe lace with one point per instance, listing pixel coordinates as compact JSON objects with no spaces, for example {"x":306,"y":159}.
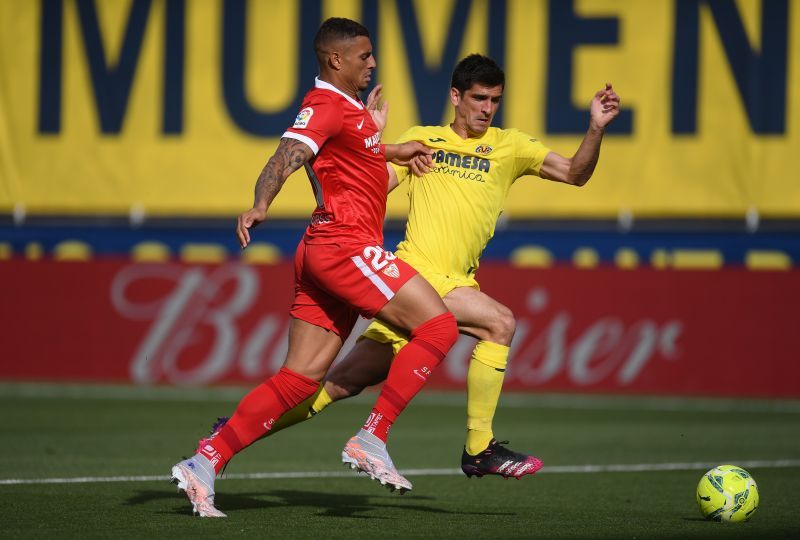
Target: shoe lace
{"x":503,"y":451}
{"x":497,"y":446}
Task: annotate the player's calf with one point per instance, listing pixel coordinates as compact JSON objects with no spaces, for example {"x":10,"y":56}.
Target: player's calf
{"x":410,"y":370}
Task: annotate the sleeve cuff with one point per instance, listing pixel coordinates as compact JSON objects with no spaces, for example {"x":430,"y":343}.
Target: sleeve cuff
{"x":302,"y":138}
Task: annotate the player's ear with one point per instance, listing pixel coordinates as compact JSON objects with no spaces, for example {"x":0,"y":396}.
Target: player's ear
{"x":455,"y":96}
{"x":335,"y":60}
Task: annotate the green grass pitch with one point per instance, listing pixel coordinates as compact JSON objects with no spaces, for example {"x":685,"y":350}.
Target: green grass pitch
{"x":67,"y":432}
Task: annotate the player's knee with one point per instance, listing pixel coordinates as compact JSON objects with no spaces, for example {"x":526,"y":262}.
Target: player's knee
{"x":440,"y":333}
{"x":290,"y":386}
{"x":502,"y":326}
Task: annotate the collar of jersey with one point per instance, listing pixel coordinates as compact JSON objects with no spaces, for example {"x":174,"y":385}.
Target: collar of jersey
{"x":328,"y":86}
{"x":470,"y":140}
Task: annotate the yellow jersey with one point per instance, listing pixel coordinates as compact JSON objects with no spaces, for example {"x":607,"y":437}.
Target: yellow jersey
{"x":454,"y":208}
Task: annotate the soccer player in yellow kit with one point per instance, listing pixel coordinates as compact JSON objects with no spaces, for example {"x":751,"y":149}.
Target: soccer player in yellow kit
{"x":452,"y":216}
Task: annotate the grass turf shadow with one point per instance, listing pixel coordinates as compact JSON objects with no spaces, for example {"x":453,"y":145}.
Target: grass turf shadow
{"x":325,"y":504}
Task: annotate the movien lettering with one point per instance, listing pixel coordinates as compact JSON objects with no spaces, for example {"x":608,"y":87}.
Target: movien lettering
{"x":759,"y":69}
{"x":112,"y":81}
{"x":459,"y":160}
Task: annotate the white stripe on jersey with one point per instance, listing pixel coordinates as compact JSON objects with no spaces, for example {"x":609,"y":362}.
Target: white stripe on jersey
{"x":373,"y":277}
{"x":302,"y":138}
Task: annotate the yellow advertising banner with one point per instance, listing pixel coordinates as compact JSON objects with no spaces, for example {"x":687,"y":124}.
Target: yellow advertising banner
{"x":172,"y":107}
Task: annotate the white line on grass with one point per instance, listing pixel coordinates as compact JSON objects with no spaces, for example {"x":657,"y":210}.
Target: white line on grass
{"x":580,"y":469}
{"x":509,"y":400}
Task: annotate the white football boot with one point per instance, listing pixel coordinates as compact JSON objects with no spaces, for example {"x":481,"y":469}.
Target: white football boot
{"x":366,"y":453}
{"x":196,"y":476}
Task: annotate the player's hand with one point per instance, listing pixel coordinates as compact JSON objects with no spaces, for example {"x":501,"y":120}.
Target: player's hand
{"x":247,"y":221}
{"x":377,"y":110}
{"x":420,"y":165}
{"x":604,"y":107}
{"x":413,"y":154}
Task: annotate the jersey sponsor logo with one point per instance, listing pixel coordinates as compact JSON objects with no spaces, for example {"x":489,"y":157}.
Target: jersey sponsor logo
{"x":461,"y":166}
{"x":461,"y":161}
{"x":483,"y":149}
{"x":321,"y":219}
{"x":360,"y":124}
{"x":460,"y":173}
{"x":372,"y":141}
{"x":303,"y":117}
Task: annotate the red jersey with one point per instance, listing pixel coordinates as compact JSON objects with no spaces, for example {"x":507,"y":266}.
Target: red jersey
{"x":348,"y":172}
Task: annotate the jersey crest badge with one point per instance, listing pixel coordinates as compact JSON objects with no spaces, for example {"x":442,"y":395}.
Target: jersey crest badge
{"x":392,"y":271}
{"x":483,"y":149}
{"x":303,"y":117}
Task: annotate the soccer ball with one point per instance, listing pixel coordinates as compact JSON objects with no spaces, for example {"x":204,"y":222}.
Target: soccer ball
{"x":727,"y":493}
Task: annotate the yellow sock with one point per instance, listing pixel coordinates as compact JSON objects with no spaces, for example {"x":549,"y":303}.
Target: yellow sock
{"x":484,"y":383}
{"x":321,"y":400}
{"x":303,"y":411}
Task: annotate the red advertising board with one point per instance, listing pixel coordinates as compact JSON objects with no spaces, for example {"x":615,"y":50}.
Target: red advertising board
{"x":725,"y":332}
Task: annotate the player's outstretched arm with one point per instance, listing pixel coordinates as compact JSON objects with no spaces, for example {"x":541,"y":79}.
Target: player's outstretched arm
{"x":290,"y":155}
{"x":578,"y":169}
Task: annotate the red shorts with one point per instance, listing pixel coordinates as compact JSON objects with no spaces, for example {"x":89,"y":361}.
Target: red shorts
{"x":335,"y":284}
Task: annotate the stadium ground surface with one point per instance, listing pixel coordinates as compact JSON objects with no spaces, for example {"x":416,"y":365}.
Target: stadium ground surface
{"x":91,"y":461}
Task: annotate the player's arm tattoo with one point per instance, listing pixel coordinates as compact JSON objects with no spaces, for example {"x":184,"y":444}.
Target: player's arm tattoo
{"x":290,"y":155}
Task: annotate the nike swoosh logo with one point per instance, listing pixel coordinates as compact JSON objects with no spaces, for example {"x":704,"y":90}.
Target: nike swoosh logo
{"x":360,"y":124}
{"x":418,"y":374}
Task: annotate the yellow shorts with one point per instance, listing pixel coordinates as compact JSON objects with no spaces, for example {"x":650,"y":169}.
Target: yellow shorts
{"x":384,"y":333}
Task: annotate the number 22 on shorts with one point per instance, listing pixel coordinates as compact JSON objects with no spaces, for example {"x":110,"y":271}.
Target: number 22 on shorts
{"x":377,"y":257}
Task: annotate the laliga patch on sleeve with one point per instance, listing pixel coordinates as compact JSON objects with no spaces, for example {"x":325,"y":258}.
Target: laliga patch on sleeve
{"x":303,"y":117}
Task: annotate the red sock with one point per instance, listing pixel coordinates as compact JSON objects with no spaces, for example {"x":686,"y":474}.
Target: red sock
{"x":410,"y":369}
{"x":257,"y":413}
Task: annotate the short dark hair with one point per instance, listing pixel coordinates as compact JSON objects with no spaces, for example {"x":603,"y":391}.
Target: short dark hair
{"x":477,"y":68}
{"x":335,"y":29}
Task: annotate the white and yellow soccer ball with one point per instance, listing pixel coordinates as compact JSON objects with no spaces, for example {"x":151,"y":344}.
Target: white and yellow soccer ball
{"x":727,"y":493}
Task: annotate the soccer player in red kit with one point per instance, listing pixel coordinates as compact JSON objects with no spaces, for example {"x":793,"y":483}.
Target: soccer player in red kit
{"x":341,"y":270}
